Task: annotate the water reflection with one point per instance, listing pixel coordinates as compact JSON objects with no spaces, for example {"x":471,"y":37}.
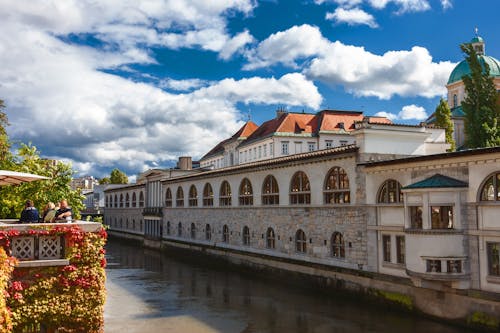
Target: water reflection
{"x":153,"y":292}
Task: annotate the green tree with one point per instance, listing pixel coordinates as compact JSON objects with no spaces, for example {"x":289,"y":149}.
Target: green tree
{"x":118,"y":177}
{"x":5,"y":156}
{"x":481,"y":108}
{"x":104,"y":180}
{"x":443,"y":120}
{"x":54,"y":189}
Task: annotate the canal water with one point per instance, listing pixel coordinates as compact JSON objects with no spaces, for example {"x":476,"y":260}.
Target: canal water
{"x":152,"y":292}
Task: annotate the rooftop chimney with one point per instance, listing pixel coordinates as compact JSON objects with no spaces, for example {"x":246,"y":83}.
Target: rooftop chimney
{"x":185,"y":163}
{"x":279,"y":112}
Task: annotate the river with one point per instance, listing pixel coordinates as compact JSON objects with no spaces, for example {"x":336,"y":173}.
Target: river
{"x":151,"y":292}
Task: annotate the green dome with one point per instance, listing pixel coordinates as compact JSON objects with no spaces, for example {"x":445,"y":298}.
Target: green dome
{"x":477,"y":39}
{"x":462,"y":69}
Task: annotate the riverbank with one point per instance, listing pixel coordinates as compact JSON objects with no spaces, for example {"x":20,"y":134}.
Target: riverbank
{"x":176,"y":291}
{"x":471,"y":311}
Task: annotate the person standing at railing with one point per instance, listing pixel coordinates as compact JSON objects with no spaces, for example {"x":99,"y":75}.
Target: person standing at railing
{"x":64,"y":212}
{"x":49,"y":213}
{"x":29,"y":213}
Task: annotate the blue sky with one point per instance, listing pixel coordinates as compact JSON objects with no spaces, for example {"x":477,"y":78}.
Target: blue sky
{"x":135,"y":84}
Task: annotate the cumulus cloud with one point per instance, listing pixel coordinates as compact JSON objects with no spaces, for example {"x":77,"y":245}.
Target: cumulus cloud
{"x":408,"y":112}
{"x":354,"y":16}
{"x":360,"y":72}
{"x":447,"y":4}
{"x":129,"y":25}
{"x":287,"y":47}
{"x":58,"y":97}
{"x":404,"y":6}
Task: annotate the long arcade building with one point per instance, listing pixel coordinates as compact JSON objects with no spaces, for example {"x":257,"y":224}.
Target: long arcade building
{"x":419,"y":225}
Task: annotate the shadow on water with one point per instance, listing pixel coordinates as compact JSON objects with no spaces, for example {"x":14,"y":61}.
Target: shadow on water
{"x":150,"y":291}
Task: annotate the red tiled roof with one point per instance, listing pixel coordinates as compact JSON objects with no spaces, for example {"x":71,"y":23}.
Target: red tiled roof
{"x":336,"y":120}
{"x":379,"y":120}
{"x":245,"y":131}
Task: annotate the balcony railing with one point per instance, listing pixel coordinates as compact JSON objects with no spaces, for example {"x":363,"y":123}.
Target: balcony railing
{"x":34,"y":245}
{"x":153,"y":211}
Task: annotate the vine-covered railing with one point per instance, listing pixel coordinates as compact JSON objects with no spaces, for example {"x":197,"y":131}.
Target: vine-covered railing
{"x":52,"y":277}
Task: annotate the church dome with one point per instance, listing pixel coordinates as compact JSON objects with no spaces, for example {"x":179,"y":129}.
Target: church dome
{"x":463,"y":69}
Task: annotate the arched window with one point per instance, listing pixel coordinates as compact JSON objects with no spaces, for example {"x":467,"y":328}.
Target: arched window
{"x":455,"y":100}
{"x":225,"y":194}
{"x":270,"y":238}
{"x":116,"y":200}
{"x":337,"y":187}
{"x":141,"y":199}
{"x":208,"y":232}
{"x":338,"y":246}
{"x":133,"y":224}
{"x":168,"y":198}
{"x":126,"y":224}
{"x":208,"y":195}
{"x":121,"y":200}
{"x":490,"y":191}
{"x":179,"y":229}
{"x":270,"y":191}
{"x":134,"y":200}
{"x":300,"y":241}
{"x":193,"y":231}
{"x":193,"y":196}
{"x":141,"y":225}
{"x":246,"y":193}
{"x":300,"y":190}
{"x":121,"y":223}
{"x":390,"y":192}
{"x":179,"y":197}
{"x":246,"y":235}
{"x":225,"y":234}
{"x":168,"y":227}
{"x":127,"y":200}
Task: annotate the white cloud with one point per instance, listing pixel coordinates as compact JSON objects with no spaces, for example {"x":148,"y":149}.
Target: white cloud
{"x":354,"y":16}
{"x":404,"y":6}
{"x":131,"y":24}
{"x":182,"y":85}
{"x":343,"y":3}
{"x":58,"y":98}
{"x":412,"y":112}
{"x":293,"y":88}
{"x":447,"y":4}
{"x":287,"y":47}
{"x":408,"y":112}
{"x":403,"y":73}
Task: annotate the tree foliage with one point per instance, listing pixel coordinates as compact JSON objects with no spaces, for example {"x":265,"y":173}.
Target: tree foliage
{"x":481,"y":108}
{"x":443,"y":120}
{"x":28,"y":160}
{"x":118,"y":177}
{"x":4,"y":139}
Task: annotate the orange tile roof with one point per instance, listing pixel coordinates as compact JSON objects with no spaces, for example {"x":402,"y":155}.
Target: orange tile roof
{"x":338,"y":120}
{"x":245,"y":131}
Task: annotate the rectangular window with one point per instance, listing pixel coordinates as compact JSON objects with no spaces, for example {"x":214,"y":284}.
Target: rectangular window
{"x":493,"y":258}
{"x":400,"y":249}
{"x":343,"y":142}
{"x":454,"y":266}
{"x":265,"y":150}
{"x":284,"y":148}
{"x":442,"y":217}
{"x":386,"y":247}
{"x":416,"y":217}
{"x":254,"y":153}
{"x":271,"y":149}
{"x":298,"y":147}
{"x":260,"y":151}
{"x":311,"y":146}
{"x":434,"y":266}
{"x":328,"y":144}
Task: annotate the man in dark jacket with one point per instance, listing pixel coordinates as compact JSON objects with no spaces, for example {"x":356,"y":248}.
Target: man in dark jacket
{"x":29,"y":213}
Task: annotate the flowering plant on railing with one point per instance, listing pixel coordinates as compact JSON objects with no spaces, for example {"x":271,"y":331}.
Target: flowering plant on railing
{"x":6,"y":267}
{"x":69,"y":297}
